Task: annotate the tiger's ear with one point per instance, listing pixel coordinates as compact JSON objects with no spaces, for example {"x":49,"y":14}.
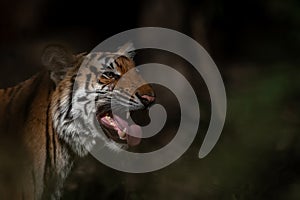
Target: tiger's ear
{"x":58,"y":60}
{"x":127,"y":50}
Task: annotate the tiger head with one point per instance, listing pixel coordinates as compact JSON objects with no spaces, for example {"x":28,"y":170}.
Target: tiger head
{"x":103,"y":87}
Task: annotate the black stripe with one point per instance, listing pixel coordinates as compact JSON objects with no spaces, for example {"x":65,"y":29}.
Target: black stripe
{"x":97,"y":98}
{"x":99,"y":91}
{"x":53,"y":132}
{"x":111,"y":66}
{"x":85,"y":109}
{"x":54,"y":145}
{"x":70,"y":97}
{"x":58,"y":106}
{"x":82,"y":99}
{"x":88,"y":79}
{"x":118,"y":65}
{"x":34,"y":182}
{"x":47,"y":166}
{"x":94,"y":69}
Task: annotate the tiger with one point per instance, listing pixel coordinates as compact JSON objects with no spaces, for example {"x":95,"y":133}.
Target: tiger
{"x":45,"y":120}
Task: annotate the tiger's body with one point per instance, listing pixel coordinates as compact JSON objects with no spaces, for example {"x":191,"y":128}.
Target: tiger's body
{"x":40,"y":130}
{"x":26,"y":118}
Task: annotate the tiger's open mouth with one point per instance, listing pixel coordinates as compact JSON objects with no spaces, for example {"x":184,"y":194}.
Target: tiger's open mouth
{"x":118,"y":129}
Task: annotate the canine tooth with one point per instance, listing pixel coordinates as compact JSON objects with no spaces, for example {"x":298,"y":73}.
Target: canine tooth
{"x":124,"y":130}
{"x":127,"y":115}
{"x":122,"y":136}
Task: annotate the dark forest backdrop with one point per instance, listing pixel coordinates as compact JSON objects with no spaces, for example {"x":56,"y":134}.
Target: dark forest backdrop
{"x":254,"y":43}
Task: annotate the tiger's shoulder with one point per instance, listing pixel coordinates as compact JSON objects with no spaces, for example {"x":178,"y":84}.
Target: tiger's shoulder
{"x":27,"y":136}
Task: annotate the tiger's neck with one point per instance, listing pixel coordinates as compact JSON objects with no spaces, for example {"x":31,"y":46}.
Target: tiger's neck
{"x":68,"y":119}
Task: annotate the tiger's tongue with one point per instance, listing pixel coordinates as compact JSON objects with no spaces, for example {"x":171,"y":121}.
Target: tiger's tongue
{"x":134,"y":132}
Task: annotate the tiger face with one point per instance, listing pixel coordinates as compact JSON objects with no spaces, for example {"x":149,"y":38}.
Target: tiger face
{"x":122,"y":96}
{"x":107,"y":88}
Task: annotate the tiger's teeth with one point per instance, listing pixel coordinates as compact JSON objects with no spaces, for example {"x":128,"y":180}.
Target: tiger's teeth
{"x":122,"y":135}
{"x":127,"y":115}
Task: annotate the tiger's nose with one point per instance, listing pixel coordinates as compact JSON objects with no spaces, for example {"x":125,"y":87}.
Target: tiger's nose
{"x":147,"y":99}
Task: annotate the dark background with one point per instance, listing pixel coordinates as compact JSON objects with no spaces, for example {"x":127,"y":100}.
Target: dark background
{"x":255,"y":45}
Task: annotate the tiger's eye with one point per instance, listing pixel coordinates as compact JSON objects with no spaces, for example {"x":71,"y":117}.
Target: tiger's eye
{"x":108,"y":74}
